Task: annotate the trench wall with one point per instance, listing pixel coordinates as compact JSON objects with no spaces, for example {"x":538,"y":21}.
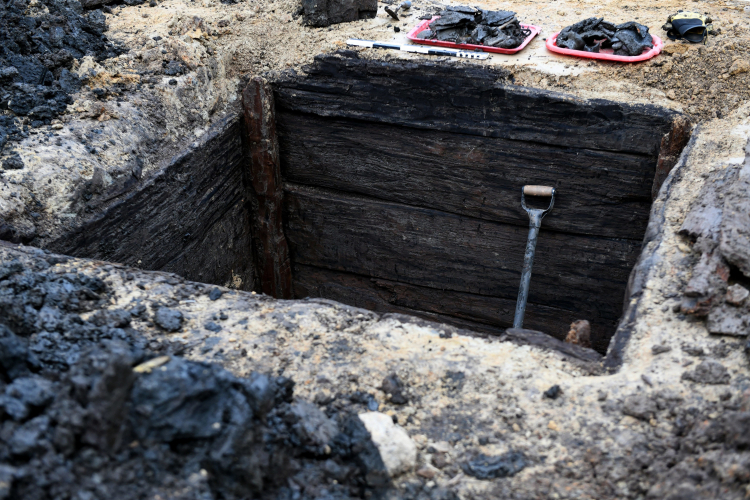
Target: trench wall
{"x":401,"y":192}
{"x":395,"y":186}
{"x":190,"y":218}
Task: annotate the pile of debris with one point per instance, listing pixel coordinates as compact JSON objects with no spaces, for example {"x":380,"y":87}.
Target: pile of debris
{"x":594,"y":34}
{"x":90,"y":408}
{"x":39,"y":42}
{"x":492,"y":28}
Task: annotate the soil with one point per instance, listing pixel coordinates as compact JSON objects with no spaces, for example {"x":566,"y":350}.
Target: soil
{"x":669,"y":423}
{"x":91,"y":408}
{"x":41,"y":40}
{"x":97,"y":390}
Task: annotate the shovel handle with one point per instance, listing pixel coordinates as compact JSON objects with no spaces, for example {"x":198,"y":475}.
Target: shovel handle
{"x":532,"y":190}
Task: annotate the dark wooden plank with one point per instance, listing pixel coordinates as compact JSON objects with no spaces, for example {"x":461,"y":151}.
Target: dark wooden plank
{"x":188,"y":218}
{"x":446,"y":251}
{"x":269,"y":243}
{"x":469,"y":99}
{"x":598,"y":193}
{"x":464,"y":310}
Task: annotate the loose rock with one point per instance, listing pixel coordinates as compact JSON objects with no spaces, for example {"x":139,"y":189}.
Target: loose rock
{"x":708,"y":372}
{"x":169,"y":319}
{"x":397,"y":450}
{"x":489,"y":467}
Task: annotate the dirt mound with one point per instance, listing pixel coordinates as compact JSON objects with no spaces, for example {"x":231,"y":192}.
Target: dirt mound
{"x":40,"y":41}
{"x":88,"y":410}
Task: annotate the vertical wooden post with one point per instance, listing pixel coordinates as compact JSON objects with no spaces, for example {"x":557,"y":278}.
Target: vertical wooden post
{"x":270,"y":249}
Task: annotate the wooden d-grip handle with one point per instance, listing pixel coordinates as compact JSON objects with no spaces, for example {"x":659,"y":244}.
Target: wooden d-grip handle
{"x":538,"y":190}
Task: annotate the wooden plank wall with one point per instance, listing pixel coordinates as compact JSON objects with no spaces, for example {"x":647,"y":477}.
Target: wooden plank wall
{"x":402,"y":191}
{"x":190,"y":218}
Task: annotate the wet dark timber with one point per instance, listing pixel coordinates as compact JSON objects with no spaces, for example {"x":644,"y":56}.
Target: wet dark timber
{"x":402,"y":187}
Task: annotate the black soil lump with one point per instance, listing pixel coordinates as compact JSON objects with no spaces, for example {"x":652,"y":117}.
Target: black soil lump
{"x":89,"y":409}
{"x":464,"y":24}
{"x":594,"y":34}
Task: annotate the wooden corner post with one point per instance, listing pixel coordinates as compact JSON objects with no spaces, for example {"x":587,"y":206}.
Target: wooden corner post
{"x":270,"y":249}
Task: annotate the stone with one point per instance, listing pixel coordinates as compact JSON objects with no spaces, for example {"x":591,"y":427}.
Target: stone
{"x":215,"y":294}
{"x":13,"y":162}
{"x":708,"y":372}
{"x":580,"y":333}
{"x":639,"y":406}
{"x":393,"y":388}
{"x":26,"y":394}
{"x":728,"y":320}
{"x":739,"y":66}
{"x":736,"y":294}
{"x":491,"y":467}
{"x":553,"y":392}
{"x":660,"y":349}
{"x":168,"y":319}
{"x":440,"y":460}
{"x":211,"y":326}
{"x":427,"y":471}
{"x":397,"y":451}
{"x":28,"y":438}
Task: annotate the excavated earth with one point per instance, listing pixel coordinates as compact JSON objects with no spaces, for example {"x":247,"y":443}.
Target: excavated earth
{"x":117,"y":382}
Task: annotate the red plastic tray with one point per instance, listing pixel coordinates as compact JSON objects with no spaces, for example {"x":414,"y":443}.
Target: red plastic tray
{"x":468,"y":46}
{"x":605,"y":56}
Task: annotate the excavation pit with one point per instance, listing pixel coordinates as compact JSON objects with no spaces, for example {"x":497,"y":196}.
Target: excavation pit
{"x":395,"y":186}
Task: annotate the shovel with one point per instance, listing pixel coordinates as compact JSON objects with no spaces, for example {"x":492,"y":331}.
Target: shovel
{"x":535,"y":222}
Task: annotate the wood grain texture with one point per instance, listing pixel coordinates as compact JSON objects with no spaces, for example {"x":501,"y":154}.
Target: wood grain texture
{"x":445,"y":251}
{"x":409,"y":174}
{"x":468,"y":99}
{"x":269,"y":243}
{"x":598,"y":193}
{"x":478,"y":312}
{"x":189,"y":218}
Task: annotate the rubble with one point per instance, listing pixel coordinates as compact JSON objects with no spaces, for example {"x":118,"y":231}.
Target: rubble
{"x":88,"y":410}
{"x":719,"y":225}
{"x":42,"y":40}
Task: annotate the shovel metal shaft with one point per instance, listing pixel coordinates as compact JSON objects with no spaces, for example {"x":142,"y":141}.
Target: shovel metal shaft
{"x":535,"y":222}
